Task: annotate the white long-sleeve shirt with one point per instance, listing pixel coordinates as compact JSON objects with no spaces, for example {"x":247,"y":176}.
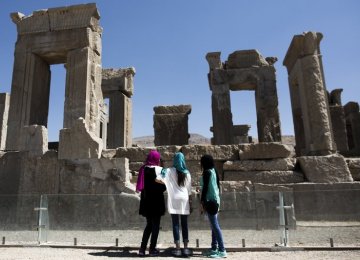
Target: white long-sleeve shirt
{"x":178,"y":197}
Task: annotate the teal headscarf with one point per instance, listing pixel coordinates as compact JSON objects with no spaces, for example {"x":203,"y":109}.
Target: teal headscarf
{"x":179,"y":163}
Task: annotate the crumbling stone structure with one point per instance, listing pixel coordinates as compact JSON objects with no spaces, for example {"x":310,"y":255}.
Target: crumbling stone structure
{"x":171,"y":125}
{"x":117,"y":85}
{"x":69,"y":35}
{"x":244,"y":70}
{"x":338,"y":121}
{"x":4,"y":113}
{"x":310,"y":106}
{"x":352,"y":115}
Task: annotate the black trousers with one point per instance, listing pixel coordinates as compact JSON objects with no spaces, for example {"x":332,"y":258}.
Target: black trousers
{"x":152,"y":228}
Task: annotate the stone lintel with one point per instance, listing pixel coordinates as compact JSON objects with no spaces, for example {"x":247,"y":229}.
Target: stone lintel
{"x":56,"y":19}
{"x":302,"y":45}
{"x":179,"y":109}
{"x":245,"y":59}
{"x":118,"y":80}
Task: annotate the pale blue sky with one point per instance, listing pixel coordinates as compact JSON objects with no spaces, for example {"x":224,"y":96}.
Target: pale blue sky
{"x":167,"y":40}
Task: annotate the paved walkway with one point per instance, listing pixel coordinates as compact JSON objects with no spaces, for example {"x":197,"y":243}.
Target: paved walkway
{"x":35,"y":253}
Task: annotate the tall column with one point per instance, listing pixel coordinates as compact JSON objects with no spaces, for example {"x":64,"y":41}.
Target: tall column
{"x":120,"y":121}
{"x":268,"y":121}
{"x":29,"y":95}
{"x":4,"y":114}
{"x":304,"y":67}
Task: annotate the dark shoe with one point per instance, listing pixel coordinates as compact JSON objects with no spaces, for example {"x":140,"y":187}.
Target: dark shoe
{"x":187,"y":252}
{"x":154,"y":252}
{"x":176,"y":252}
{"x":141,"y":252}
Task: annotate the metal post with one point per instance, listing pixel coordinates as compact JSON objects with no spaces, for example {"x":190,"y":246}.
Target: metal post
{"x":243,"y":242}
{"x":331,"y":242}
{"x":3,"y":241}
{"x":284,"y":229}
{"x":117,"y":242}
{"x":197,"y":243}
{"x":43,"y":218}
{"x":75,"y":241}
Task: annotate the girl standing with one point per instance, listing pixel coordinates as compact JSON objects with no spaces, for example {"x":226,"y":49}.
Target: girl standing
{"x":178,"y":184}
{"x":152,"y":202}
{"x":210,"y":191}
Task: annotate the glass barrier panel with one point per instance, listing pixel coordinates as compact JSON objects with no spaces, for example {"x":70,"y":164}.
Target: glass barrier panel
{"x":19,"y":219}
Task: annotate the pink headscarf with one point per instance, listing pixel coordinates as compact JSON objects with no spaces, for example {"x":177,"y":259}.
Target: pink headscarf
{"x":153,"y":159}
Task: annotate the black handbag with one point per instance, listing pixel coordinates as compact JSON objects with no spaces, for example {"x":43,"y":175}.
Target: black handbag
{"x":211,"y":207}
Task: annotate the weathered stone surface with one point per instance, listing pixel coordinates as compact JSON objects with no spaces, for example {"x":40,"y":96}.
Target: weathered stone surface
{"x":325,"y":169}
{"x":171,"y":129}
{"x":352,"y":116}
{"x":353,"y":163}
{"x":213,"y":58}
{"x":118,"y":80}
{"x":238,"y":186}
{"x":245,"y":59}
{"x":54,"y":19}
{"x":108,"y":153}
{"x":79,"y":143}
{"x":34,"y":139}
{"x":264,"y":151}
{"x":285,"y":164}
{"x":139,"y":154}
{"x":10,"y":172}
{"x":355,"y":173}
{"x":219,"y":152}
{"x":4,"y":113}
{"x":339,"y":128}
{"x":179,"y":109}
{"x":268,"y":177}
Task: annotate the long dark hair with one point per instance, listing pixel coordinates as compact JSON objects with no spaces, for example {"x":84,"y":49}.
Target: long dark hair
{"x":207,"y":163}
{"x":181,"y":177}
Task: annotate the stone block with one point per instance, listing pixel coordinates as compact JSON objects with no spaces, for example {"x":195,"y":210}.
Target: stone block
{"x":265,"y":151}
{"x":267,"y":177}
{"x":355,"y":173}
{"x":108,"y":153}
{"x":118,"y":80}
{"x":139,"y":154}
{"x":34,"y":139}
{"x":283,"y":164}
{"x":353,"y":163}
{"x":171,"y":129}
{"x":10,"y":172}
{"x":219,"y":152}
{"x":78,"y":143}
{"x":325,"y":169}
{"x":237,"y":186}
{"x":180,"y":109}
{"x":245,"y":59}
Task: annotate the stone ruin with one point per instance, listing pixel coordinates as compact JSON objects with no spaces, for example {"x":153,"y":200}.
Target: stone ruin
{"x":95,"y":153}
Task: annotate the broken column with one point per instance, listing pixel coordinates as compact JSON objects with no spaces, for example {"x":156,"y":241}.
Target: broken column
{"x":352,"y":115}
{"x":4,"y":112}
{"x":117,"y":85}
{"x":310,"y":107}
{"x":338,"y":121}
{"x":171,"y":125}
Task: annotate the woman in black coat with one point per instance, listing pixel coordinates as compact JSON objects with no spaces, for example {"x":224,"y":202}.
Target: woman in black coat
{"x":152,"y":202}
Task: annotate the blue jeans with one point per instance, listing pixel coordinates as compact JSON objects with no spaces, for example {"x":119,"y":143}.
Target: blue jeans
{"x":152,"y":229}
{"x":216,"y":234}
{"x":176,"y":227}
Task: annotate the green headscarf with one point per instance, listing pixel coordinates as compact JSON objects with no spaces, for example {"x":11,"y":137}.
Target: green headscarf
{"x":179,"y":163}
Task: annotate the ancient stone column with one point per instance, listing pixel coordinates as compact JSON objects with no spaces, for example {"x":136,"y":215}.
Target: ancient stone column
{"x":171,"y":125}
{"x":220,"y":101}
{"x":338,"y":121}
{"x":4,"y":113}
{"x":117,"y":85}
{"x":312,"y":122}
{"x":352,"y":116}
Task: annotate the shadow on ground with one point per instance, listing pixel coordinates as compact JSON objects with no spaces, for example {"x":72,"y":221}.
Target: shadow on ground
{"x":131,"y":253}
